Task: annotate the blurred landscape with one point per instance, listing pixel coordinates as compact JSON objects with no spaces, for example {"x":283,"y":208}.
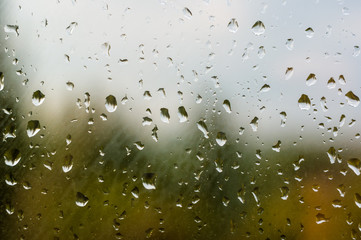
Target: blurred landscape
{"x":168,"y":119}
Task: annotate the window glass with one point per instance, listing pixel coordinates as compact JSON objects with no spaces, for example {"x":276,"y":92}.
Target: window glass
{"x":169,"y":119}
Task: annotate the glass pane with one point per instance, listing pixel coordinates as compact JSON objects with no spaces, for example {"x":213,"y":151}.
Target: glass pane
{"x":168,"y":119}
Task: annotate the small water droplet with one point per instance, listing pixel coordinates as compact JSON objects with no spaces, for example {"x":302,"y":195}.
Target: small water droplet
{"x":356,"y":51}
{"x":71,"y":27}
{"x":331,"y":153}
{"x":258,"y":28}
{"x":135,"y":192}
{"x":284,"y":193}
{"x":2,"y":79}
{"x":311,"y":79}
{"x":355,"y":165}
{"x":182,"y":114}
{"x":147,"y":121}
{"x":12,"y":29}
{"x":148,"y":180}
{"x":309,"y":32}
{"x":38,"y":98}
{"x":12,"y":157}
{"x":147,"y":95}
{"x":154,"y":133}
{"x":164,"y":115}
{"x":139,"y":145}
{"x":124,"y":100}
{"x":283,"y":117}
{"x":203,"y":128}
{"x":67,"y":163}
{"x":277,"y":146}
{"x":81,"y":200}
{"x":254,"y":124}
{"x":187,"y":13}
{"x":265,"y":88}
{"x":261,"y":52}
{"x":358,"y":200}
{"x":199,"y":99}
{"x":289,"y":73}
{"x":304,"y":102}
{"x":352,"y":99}
{"x":342,"y":80}
{"x":221,"y":138}
{"x":290,"y":44}
{"x":321,"y":218}
{"x":111,"y":103}
{"x":33,"y":128}
{"x":227,"y":106}
{"x":69,"y":86}
{"x":233,"y":25}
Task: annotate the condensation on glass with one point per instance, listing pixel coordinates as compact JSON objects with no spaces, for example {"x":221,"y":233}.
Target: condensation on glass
{"x":169,"y":119}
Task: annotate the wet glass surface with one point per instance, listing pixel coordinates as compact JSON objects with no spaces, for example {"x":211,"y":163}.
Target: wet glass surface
{"x":174,"y":119}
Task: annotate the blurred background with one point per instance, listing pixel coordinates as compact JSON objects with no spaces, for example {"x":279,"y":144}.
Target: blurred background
{"x":169,"y":119}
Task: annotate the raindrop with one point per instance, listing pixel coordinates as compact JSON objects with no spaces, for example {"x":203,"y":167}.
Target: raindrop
{"x":304,"y":102}
{"x":71,"y":27}
{"x":81,"y":200}
{"x":358,"y":200}
{"x":277,"y":146}
{"x":356,"y":51}
{"x":1,"y":81}
{"x":320,"y":218}
{"x":67,"y":163}
{"x":203,"y":128}
{"x":10,"y":180}
{"x":124,"y":100}
{"x":290,"y":44}
{"x":331,"y":83}
{"x":355,"y":165}
{"x":12,"y":29}
{"x":147,"y":95}
{"x":352,"y":99}
{"x":241,"y":195}
{"x":342,"y":120}
{"x":110,"y":103}
{"x":254,"y":124}
{"x":283,"y":117}
{"x":227,"y":106}
{"x":148,"y":180}
{"x":182,"y":114}
{"x":147,"y":121}
{"x":265,"y":88}
{"x":38,"y":98}
{"x":154,"y":133}
{"x":331,"y":153}
{"x":284,"y":193}
{"x":187,"y":13}
{"x":258,"y":28}
{"x":289,"y":73}
{"x":221,"y":138}
{"x":135,"y":192}
{"x":311,"y":79}
{"x":68,"y":139}
{"x":139,"y":145}
{"x":261,"y":52}
{"x":12,"y":157}
{"x":323,"y":104}
{"x":69,"y":86}
{"x":199,"y":99}
{"x":309,"y":32}
{"x":233,"y":25}
{"x":33,"y":128}
{"x":164,"y":115}
{"x":342,"y":80}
